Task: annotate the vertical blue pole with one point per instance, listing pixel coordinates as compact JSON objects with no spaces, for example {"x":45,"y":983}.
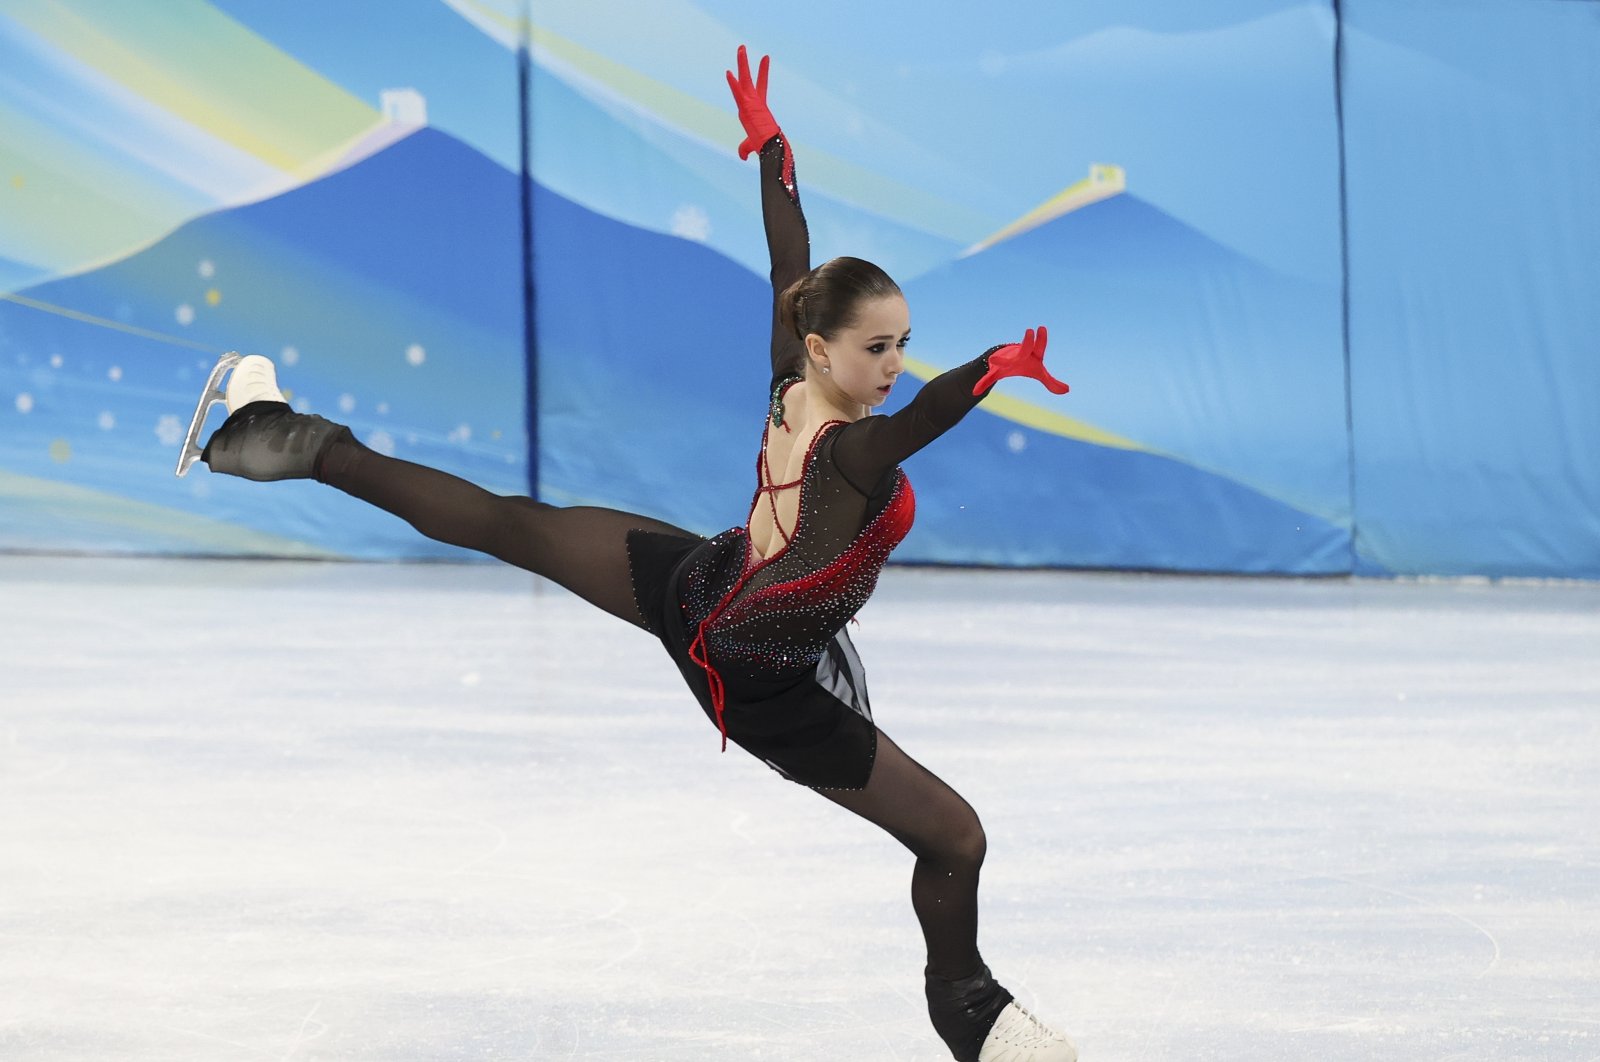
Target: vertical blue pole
{"x":530,"y":331}
{"x":1344,"y":269}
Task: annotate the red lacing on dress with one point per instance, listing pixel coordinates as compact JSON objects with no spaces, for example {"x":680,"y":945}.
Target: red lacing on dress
{"x":893,"y":523}
{"x":699,"y":654}
{"x":698,"y":651}
{"x":891,"y":526}
{"x":771,"y":489}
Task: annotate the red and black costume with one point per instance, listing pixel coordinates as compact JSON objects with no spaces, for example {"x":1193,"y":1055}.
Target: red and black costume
{"x":761,"y":642}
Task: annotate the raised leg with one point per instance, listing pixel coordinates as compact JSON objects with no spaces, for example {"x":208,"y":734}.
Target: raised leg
{"x":583,"y":548}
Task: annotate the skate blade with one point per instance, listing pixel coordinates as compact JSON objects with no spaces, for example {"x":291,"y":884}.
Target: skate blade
{"x":210,"y":397}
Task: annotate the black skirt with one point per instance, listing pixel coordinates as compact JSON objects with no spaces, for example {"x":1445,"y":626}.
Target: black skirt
{"x":814,"y":728}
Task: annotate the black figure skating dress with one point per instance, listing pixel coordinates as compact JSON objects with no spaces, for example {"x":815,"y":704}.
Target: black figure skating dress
{"x":762,"y":641}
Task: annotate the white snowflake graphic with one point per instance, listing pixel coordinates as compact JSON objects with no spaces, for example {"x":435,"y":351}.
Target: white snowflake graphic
{"x":692,"y":223}
{"x":169,"y":429}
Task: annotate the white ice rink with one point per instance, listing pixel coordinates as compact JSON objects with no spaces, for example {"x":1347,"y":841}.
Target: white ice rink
{"x":297,"y":811}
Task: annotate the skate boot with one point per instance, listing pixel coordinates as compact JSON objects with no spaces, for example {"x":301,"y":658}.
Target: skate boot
{"x":263,"y":439}
{"x":963,"y":1011}
{"x":1018,"y":1036}
{"x":980,"y":1022}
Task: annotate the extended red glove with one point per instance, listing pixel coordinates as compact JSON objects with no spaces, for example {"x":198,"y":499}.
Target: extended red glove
{"x":751,"y":96}
{"x":1021,"y":359}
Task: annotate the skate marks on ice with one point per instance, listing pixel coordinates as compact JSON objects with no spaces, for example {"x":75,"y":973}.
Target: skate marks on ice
{"x":303,"y":811}
{"x":1289,"y":819}
{"x":1428,"y":906}
{"x":318,"y":850}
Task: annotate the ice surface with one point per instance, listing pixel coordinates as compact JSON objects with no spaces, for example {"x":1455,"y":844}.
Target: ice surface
{"x":294,"y":811}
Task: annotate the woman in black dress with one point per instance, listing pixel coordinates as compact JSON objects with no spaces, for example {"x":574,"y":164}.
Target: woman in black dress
{"x":753,"y":617}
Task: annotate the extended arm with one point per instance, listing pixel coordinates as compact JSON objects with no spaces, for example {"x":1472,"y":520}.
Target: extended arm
{"x":788,"y":242}
{"x":866,"y":450}
{"x":869,"y":448}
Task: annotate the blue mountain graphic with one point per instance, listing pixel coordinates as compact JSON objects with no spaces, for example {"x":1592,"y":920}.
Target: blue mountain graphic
{"x":398,"y":284}
{"x":1168,"y":338}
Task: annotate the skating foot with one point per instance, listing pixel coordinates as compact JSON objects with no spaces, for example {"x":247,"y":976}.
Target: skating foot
{"x":263,"y":439}
{"x":267,"y":441}
{"x":964,"y":1010}
{"x":1018,"y":1036}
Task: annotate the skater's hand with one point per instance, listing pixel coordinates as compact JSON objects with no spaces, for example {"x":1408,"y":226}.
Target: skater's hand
{"x":751,"y":96}
{"x":1021,"y":359}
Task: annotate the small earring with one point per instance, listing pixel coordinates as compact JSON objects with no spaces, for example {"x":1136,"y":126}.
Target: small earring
{"x":824,"y":368}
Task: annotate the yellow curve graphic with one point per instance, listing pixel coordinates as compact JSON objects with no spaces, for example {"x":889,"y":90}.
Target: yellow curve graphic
{"x":71,"y":506}
{"x":716,"y":125}
{"x":1031,"y":415}
{"x":1103,"y":182}
{"x":200,"y":66}
{"x":103,"y":322}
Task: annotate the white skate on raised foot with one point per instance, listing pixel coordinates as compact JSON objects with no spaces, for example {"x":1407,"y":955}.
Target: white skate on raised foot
{"x":254,"y":379}
{"x":1018,"y":1036}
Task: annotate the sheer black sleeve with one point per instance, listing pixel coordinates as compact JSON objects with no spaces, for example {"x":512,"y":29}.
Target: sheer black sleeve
{"x":788,"y":244}
{"x":870,"y":448}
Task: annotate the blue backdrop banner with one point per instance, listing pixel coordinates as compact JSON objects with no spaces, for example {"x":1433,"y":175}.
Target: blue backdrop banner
{"x":1473,"y":133}
{"x":1320,"y":275}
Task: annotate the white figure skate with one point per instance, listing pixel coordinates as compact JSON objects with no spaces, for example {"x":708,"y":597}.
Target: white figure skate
{"x":1018,"y":1036}
{"x":262,"y":439}
{"x":254,"y":379}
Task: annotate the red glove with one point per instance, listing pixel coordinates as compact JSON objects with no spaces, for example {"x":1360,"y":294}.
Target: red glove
{"x":1021,"y":359}
{"x":751,"y":96}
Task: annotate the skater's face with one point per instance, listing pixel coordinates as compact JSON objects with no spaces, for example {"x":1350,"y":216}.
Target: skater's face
{"x":865,"y":359}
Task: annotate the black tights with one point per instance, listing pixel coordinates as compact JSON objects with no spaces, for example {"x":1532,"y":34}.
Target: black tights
{"x":584,"y":549}
{"x":943,"y":832}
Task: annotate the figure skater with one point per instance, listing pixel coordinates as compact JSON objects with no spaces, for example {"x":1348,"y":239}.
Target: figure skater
{"x":755,"y":617}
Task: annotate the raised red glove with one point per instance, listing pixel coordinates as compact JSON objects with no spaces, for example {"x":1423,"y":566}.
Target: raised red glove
{"x":751,"y":96}
{"x":1021,"y":359}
